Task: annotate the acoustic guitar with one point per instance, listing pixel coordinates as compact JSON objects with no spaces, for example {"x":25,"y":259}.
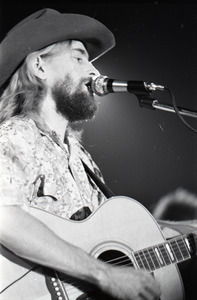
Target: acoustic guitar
{"x":121,"y":232}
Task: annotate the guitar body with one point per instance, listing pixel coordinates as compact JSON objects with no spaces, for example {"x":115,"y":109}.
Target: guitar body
{"x":120,"y":225}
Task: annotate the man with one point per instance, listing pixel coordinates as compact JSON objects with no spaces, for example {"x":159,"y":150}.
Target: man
{"x":45,"y":75}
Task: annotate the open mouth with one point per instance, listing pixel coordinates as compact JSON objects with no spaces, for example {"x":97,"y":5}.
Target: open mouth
{"x":89,"y":88}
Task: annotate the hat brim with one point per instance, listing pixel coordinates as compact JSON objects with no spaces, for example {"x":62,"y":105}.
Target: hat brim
{"x":47,"y":27}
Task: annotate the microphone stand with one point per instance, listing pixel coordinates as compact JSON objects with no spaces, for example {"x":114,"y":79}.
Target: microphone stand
{"x":149,"y":102}
{"x":169,"y":108}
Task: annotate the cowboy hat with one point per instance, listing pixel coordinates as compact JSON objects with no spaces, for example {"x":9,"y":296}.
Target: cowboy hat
{"x":46,"y":27}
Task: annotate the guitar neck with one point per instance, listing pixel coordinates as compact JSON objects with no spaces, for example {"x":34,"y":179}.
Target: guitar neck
{"x":173,"y":251}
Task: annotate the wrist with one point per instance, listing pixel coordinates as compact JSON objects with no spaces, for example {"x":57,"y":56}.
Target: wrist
{"x":102,"y":276}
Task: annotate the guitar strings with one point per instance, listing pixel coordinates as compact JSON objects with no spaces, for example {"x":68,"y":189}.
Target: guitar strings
{"x":124,"y":258}
{"x":144,"y":260}
{"x":70,"y":282}
{"x":192,"y":240}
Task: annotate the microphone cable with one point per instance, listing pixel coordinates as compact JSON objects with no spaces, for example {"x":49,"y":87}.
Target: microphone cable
{"x":177,"y":111}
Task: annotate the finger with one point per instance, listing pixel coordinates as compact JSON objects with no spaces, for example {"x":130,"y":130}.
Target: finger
{"x":153,"y":294}
{"x":146,"y":295}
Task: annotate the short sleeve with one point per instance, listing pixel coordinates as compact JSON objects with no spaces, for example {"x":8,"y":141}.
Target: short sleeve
{"x":16,"y":165}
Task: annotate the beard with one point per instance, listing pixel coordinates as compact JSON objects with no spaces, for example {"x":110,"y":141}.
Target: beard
{"x":77,"y":106}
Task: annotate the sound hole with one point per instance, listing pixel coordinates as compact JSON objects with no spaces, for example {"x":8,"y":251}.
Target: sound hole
{"x":116,"y":258}
{"x":113,"y":257}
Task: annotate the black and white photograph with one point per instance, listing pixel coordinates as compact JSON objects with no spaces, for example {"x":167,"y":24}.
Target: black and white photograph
{"x":98,"y":150}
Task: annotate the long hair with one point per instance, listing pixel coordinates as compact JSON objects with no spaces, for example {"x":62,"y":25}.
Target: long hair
{"x":25,"y":91}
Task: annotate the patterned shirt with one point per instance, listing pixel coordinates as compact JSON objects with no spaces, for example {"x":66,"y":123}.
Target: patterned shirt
{"x":38,"y":170}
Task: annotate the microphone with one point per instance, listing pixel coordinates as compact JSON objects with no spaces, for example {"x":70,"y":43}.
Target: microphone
{"x":103,"y":85}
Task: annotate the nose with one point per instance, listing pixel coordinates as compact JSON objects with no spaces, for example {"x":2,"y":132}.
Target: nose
{"x":92,"y":70}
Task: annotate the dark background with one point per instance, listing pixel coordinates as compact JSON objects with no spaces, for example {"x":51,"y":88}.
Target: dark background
{"x":143,"y":153}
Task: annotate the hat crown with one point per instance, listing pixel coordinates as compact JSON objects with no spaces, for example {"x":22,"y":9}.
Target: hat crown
{"x":46,"y":27}
{"x":38,"y":14}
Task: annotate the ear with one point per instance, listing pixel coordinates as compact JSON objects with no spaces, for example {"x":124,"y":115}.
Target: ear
{"x":38,"y":67}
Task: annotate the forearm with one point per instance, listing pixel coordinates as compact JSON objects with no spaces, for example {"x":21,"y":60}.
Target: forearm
{"x":29,"y":238}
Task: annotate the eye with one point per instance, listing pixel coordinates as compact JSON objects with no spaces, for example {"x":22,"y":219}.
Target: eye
{"x":79,"y":59}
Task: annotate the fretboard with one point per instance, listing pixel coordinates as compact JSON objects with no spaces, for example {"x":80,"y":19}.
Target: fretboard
{"x":173,"y":251}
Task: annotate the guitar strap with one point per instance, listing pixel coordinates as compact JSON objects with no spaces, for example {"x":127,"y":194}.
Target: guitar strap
{"x":54,"y":286}
{"x":103,"y":187}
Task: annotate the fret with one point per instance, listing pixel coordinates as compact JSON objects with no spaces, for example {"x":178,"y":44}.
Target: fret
{"x":192,"y":240}
{"x":188,"y":245}
{"x":164,"y":254}
{"x":139,"y":260}
{"x":154,"y":258}
{"x":183,"y":248}
{"x":172,"y":251}
{"x":144,"y":259}
{"x":159,"y":256}
{"x":176,"y":251}
{"x":179,"y":249}
{"x":149,"y":259}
